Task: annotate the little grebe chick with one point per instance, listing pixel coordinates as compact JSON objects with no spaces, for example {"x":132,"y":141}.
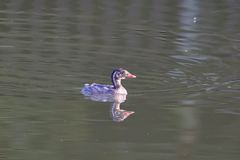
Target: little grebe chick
{"x":117,"y":88}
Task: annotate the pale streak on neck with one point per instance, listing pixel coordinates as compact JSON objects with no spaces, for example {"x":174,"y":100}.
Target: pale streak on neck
{"x":116,"y":105}
{"x":116,"y":83}
{"x":119,"y":83}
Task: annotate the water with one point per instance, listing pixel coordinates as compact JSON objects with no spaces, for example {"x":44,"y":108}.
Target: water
{"x":184,"y":101}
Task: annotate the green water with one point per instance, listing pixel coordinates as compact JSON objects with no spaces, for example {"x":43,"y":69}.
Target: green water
{"x":184,"y":53}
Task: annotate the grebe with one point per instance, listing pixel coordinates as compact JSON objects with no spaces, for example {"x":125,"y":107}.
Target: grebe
{"x":117,"y":88}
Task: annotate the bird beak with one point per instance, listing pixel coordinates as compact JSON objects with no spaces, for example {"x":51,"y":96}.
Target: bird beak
{"x":128,"y":112}
{"x":130,"y":76}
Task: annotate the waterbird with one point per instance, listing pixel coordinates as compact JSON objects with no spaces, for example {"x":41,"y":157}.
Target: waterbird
{"x":117,"y":88}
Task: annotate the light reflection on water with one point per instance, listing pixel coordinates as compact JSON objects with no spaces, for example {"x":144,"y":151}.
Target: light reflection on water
{"x":185,"y":98}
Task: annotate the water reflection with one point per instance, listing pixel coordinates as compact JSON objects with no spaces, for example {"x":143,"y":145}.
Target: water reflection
{"x":116,"y":113}
{"x":189,"y":128}
{"x":181,"y":50}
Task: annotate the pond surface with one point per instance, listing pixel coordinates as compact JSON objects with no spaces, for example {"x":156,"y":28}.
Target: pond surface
{"x":184,"y":103}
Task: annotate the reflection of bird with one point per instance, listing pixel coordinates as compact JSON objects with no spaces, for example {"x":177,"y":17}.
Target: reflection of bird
{"x":118,"y":114}
{"x":120,"y":98}
{"x":117,"y":87}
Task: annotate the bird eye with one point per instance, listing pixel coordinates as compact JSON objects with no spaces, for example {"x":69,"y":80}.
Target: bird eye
{"x":119,"y":74}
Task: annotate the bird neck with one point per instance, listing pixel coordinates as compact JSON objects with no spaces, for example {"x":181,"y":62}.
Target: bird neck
{"x":116,"y":83}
